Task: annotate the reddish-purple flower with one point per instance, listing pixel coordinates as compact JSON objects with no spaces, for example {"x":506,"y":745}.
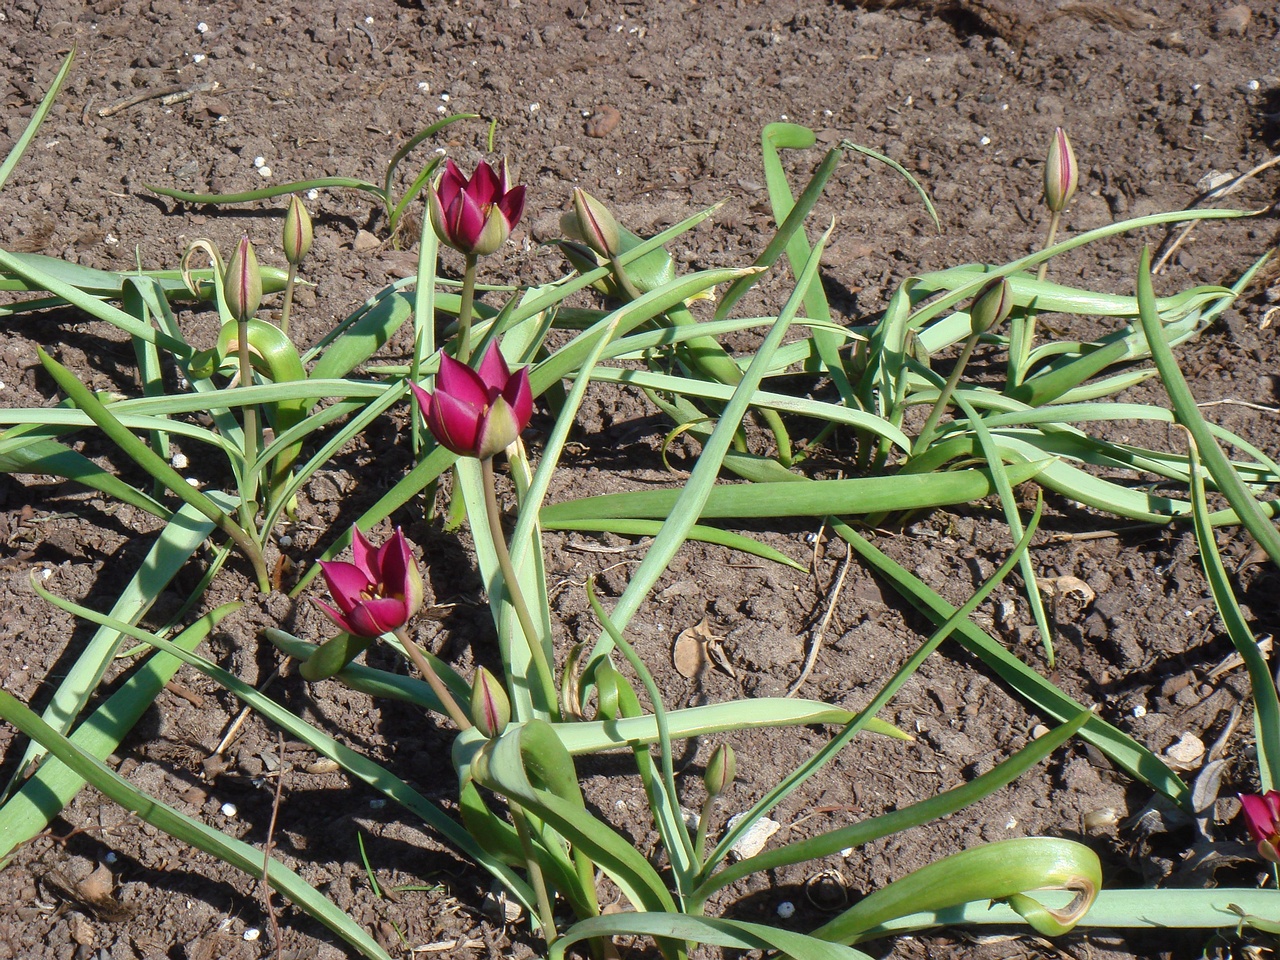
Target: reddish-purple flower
{"x":477,"y":413}
{"x":377,"y":593}
{"x":474,"y":216}
{"x":1061,"y":174}
{"x":1261,"y":814}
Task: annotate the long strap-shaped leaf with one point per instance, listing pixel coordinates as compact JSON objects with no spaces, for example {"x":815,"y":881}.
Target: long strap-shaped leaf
{"x":200,"y":835}
{"x":1266,"y":705}
{"x":1184,"y":406}
{"x":735,"y":934}
{"x":1006,"y":870}
{"x":1123,"y":750}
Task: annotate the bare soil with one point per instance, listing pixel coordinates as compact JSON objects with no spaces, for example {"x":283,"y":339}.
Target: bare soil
{"x":656,"y":107}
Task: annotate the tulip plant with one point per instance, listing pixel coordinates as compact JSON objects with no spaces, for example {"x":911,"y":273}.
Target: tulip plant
{"x":520,"y":810}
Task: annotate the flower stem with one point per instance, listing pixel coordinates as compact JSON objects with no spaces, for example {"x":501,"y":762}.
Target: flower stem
{"x":537,"y":652}
{"x":926,"y":434}
{"x":290,"y":281}
{"x":456,"y":713}
{"x":546,"y":915}
{"x":462,"y":350}
{"x":250,"y":493}
{"x":1027,"y":340}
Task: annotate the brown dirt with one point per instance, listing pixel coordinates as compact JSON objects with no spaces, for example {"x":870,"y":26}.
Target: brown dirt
{"x":1154,"y":94}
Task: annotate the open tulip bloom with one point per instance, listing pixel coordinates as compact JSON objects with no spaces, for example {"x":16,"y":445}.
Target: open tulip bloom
{"x":477,"y":413}
{"x":379,"y":592}
{"x":474,"y":216}
{"x":1261,"y":814}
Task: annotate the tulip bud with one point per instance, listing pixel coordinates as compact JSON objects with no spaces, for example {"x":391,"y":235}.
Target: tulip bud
{"x":242,"y":285}
{"x":490,"y":706}
{"x":721,"y":770}
{"x":1260,"y":816}
{"x":990,"y":306}
{"x":1060,"y":172}
{"x":297,"y":231}
{"x":591,"y":223}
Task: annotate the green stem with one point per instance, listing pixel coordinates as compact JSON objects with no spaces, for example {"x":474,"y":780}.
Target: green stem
{"x":546,"y":915}
{"x":537,"y":652}
{"x":926,"y":434}
{"x":248,"y":504}
{"x":442,"y":693}
{"x":1027,"y":340}
{"x":700,"y":843}
{"x":462,"y":351}
{"x":289,"y":283}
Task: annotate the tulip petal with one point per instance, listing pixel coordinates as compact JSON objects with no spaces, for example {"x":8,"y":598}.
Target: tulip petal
{"x":498,"y":430}
{"x":512,"y":205}
{"x":335,"y":616}
{"x":346,"y":582}
{"x":519,"y":394}
{"x":458,"y":381}
{"x":365,"y":555}
{"x":450,"y":184}
{"x":485,"y":186}
{"x":376,"y":617}
{"x":454,"y":424}
{"x":494,"y":372}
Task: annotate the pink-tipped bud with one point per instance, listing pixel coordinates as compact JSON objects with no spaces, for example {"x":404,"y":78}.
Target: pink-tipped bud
{"x":297,"y":231}
{"x":722,"y":768}
{"x":1061,"y":174}
{"x":591,"y":223}
{"x":490,"y":706}
{"x":991,"y":306}
{"x":242,"y":286}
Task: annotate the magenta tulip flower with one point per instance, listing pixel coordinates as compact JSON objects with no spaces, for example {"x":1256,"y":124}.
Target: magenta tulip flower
{"x":1261,"y":814}
{"x":477,"y":413}
{"x":474,"y":216}
{"x":379,"y":592}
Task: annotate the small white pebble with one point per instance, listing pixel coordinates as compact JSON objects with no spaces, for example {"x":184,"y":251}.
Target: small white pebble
{"x":1253,"y":85}
{"x":786,"y":910}
{"x":445,"y":97}
{"x":1139,"y":711}
{"x":424,"y":86}
{"x":193,"y":482}
{"x":46,"y":573}
{"x":1,"y":384}
{"x":985,"y":141}
{"x":442,"y":109}
{"x":312,"y":194}
{"x":179,"y":460}
{"x":251,"y":934}
{"x":535,"y":107}
{"x":110,"y":240}
{"x":259,"y":161}
{"x":111,"y":857}
{"x":368,"y":20}
{"x":784,"y":117}
{"x":847,"y":852}
{"x":264,"y":171}
{"x":827,"y":113}
{"x":285,"y":541}
{"x":197,"y":58}
{"x":229,"y":811}
{"x":202,"y":27}
{"x":1011,"y":823}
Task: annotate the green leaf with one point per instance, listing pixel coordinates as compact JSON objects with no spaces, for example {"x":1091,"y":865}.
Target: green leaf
{"x":814,"y":498}
{"x":734,"y":934}
{"x":1006,"y":870}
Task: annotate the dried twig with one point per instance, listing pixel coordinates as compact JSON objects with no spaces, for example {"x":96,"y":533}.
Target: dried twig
{"x":266,"y":852}
{"x":818,"y":634}
{"x":166,"y":95}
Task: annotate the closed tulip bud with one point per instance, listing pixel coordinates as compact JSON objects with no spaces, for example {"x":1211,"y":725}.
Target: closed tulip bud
{"x":242,"y":285}
{"x":1060,"y":172}
{"x":721,"y":770}
{"x":297,"y":231}
{"x":990,"y":306}
{"x":592,"y":224}
{"x":490,"y":706}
